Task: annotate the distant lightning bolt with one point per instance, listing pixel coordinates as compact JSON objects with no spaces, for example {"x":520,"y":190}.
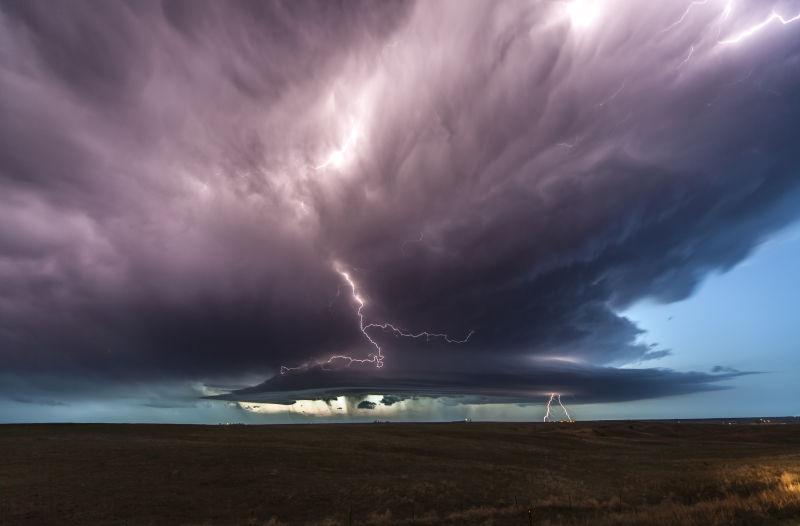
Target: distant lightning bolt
{"x":613,"y":95}
{"x":688,"y":57}
{"x":728,"y":9}
{"x":548,"y":408}
{"x":564,"y":408}
{"x":747,"y":33}
{"x":684,"y":15}
{"x":406,"y":242}
{"x":376,"y":357}
{"x":726,"y":12}
{"x":582,"y":12}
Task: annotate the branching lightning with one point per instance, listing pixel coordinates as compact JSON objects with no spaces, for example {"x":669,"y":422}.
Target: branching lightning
{"x":548,"y":408}
{"x":376,"y":357}
{"x":747,"y":33}
{"x":586,"y":12}
{"x":726,"y":12}
{"x":583,"y":14}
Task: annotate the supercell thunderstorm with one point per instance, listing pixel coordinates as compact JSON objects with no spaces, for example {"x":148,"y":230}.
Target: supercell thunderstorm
{"x":416,"y":199}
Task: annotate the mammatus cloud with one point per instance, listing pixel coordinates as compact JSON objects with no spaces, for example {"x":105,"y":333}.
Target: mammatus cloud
{"x":178,"y":181}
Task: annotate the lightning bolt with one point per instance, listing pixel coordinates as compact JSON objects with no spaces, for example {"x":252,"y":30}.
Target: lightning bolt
{"x":564,"y":408}
{"x":726,"y":12}
{"x":548,"y":408}
{"x":683,"y":16}
{"x":613,"y":95}
{"x":688,"y":57}
{"x":408,"y":241}
{"x":580,"y":12}
{"x":376,"y":357}
{"x":747,"y":33}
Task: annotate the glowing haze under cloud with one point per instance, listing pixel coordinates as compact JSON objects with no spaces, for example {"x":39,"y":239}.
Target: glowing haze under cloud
{"x":183,"y":186}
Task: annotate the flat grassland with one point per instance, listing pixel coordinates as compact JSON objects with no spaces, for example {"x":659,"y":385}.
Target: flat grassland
{"x":456,"y":473}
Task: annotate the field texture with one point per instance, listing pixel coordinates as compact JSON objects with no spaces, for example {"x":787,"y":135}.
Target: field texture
{"x":476,"y":473}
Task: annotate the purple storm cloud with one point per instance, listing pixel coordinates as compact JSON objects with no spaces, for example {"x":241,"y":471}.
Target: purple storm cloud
{"x":180,"y":180}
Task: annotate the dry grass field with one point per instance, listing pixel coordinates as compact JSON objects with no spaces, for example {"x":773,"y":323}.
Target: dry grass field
{"x":477,"y":473}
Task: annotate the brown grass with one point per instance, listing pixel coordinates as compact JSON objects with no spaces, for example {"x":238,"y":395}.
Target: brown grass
{"x":594,"y":473}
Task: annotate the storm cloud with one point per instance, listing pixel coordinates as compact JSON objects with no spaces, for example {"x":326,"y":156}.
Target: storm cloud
{"x":180,"y":181}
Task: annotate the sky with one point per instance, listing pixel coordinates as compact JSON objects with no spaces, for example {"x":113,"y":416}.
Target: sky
{"x":315,"y":211}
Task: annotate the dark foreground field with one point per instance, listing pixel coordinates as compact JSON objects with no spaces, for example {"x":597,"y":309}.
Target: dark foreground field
{"x":594,"y":473}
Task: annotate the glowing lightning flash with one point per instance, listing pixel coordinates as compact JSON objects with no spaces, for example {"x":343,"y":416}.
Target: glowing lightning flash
{"x":338,"y":157}
{"x":747,"y":33}
{"x":376,"y":357}
{"x":583,"y":13}
{"x":556,"y":397}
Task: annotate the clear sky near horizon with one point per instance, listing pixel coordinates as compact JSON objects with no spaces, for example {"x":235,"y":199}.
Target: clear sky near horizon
{"x":318,"y":211}
{"x":747,"y":318}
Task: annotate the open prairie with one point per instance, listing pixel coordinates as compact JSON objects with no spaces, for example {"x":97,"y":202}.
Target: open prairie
{"x":455,"y":473}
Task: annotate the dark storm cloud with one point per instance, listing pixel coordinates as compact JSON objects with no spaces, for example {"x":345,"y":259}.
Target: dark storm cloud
{"x":389,"y":400}
{"x":178,"y":179}
{"x":588,"y":384}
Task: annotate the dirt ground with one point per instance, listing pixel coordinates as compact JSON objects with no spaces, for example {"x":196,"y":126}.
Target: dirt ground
{"x":455,"y":473}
